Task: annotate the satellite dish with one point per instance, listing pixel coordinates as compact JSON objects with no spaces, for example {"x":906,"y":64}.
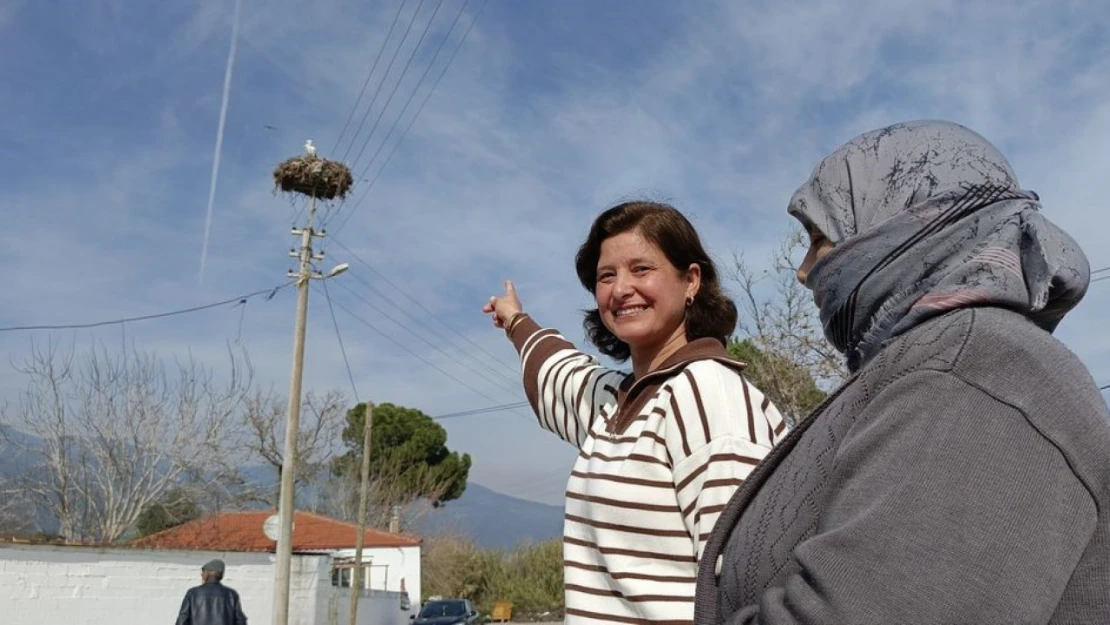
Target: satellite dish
{"x":272,"y":527}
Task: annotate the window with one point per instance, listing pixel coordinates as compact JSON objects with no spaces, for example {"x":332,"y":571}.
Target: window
{"x":342,"y":573}
{"x":341,"y":576}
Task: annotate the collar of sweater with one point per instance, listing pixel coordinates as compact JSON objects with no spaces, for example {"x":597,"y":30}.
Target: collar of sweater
{"x":634,"y":393}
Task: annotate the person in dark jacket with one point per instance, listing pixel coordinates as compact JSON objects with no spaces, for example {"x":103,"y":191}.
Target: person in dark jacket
{"x":211,"y":603}
{"x":962,"y":474}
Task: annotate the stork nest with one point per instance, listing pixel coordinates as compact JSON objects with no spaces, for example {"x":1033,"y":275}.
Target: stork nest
{"x":314,"y":176}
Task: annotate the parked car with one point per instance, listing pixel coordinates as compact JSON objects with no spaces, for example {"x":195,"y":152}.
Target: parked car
{"x":447,"y":612}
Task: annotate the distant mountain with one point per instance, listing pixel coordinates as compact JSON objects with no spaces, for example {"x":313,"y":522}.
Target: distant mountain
{"x":494,"y":520}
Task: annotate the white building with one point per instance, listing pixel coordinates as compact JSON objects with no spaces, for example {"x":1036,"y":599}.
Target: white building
{"x":145,"y":581}
{"x":392,"y":561}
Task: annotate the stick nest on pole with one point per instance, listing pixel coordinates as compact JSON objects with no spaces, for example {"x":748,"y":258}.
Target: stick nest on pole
{"x":313,"y":176}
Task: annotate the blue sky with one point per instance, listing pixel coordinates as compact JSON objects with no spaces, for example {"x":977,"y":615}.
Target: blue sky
{"x":551,"y":112}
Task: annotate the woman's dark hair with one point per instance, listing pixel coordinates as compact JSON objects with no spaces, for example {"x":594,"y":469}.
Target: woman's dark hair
{"x":712,"y":313}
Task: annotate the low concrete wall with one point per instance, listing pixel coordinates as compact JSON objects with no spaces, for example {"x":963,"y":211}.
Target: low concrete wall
{"x":375,"y":607}
{"x":53,"y":585}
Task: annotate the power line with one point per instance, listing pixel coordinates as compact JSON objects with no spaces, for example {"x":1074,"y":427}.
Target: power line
{"x":512,"y":380}
{"x":412,"y":94}
{"x":239,"y":299}
{"x":453,"y":415}
{"x":1104,"y":269}
{"x":412,"y":121}
{"x":381,"y":83}
{"x":339,"y":337}
{"x":415,"y":90}
{"x":1100,"y":279}
{"x":480,"y":411}
{"x":366,"y":83}
{"x":501,"y":384}
{"x":514,"y":370}
{"x":396,"y":87}
{"x":412,"y":353}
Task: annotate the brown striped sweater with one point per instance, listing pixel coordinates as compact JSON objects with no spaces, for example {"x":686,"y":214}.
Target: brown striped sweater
{"x":659,"y":458}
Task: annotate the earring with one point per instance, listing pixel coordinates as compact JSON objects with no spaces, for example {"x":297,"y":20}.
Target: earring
{"x":690,"y":301}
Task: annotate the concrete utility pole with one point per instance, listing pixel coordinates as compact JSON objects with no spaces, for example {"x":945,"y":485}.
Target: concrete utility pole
{"x":303,"y":277}
{"x":311,"y":176}
{"x":363,"y":496}
{"x":292,"y":424}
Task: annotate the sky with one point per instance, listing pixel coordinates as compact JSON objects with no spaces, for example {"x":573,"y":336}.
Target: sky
{"x":549,"y":113}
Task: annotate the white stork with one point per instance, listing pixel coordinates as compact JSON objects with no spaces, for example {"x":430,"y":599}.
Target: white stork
{"x":309,"y":148}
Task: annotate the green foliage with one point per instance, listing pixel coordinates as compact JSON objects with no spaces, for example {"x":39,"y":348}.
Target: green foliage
{"x":790,"y":386}
{"x":172,"y":509}
{"x":408,"y":451}
{"x":530,"y":576}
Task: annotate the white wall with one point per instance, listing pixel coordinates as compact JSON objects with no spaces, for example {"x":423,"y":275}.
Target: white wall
{"x":389,"y":565}
{"x":377,"y":607}
{"x":52,"y":585}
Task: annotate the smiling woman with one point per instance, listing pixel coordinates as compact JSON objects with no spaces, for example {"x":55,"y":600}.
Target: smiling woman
{"x":661,"y":449}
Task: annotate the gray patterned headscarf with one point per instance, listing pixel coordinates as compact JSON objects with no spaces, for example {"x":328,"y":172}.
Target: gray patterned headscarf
{"x":928,"y":217}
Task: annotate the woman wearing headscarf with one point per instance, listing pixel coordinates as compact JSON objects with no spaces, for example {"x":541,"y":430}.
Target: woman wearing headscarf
{"x":962,"y":474}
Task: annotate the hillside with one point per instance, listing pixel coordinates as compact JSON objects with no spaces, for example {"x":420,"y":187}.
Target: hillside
{"x":493,"y":519}
{"x":490,"y":518}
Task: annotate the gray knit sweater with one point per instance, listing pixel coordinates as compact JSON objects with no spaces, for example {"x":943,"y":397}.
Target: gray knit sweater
{"x":963,"y":476}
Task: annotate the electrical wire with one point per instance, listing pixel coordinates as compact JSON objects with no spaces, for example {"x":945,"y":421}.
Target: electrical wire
{"x":239,"y":299}
{"x":412,"y":121}
{"x":366,"y":83}
{"x":481,"y":411}
{"x":412,"y":94}
{"x":513,"y":380}
{"x":510,"y":387}
{"x":514,"y":370}
{"x":502,"y":378}
{"x":396,"y":87}
{"x":381,"y":83}
{"x":339,"y":338}
{"x":404,"y":347}
{"x":408,"y":102}
{"x":453,"y":415}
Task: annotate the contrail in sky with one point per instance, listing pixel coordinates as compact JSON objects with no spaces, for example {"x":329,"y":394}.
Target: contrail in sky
{"x":219,"y":138}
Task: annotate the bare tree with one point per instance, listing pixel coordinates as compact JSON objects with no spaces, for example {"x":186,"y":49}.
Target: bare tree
{"x":16,"y":513}
{"x":106,"y":434}
{"x":388,"y":498}
{"x":452,"y":565}
{"x":779,"y":318}
{"x":321,"y":424}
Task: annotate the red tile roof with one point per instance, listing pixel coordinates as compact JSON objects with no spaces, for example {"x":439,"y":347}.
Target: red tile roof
{"x":242,"y":531}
